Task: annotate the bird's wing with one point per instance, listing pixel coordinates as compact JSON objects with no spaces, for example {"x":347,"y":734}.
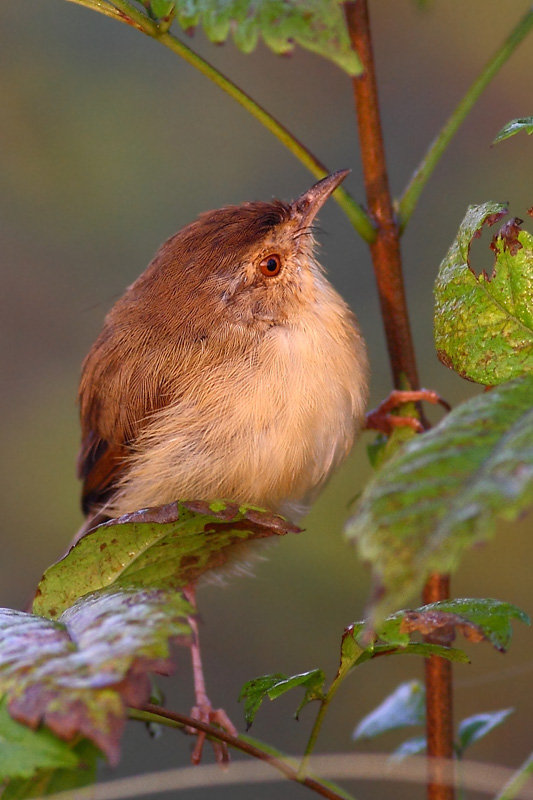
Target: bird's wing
{"x":99,"y":466}
{"x":122,"y":385}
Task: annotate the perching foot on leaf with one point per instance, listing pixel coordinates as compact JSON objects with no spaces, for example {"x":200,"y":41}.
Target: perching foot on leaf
{"x":203,"y":710}
{"x":381,"y":419}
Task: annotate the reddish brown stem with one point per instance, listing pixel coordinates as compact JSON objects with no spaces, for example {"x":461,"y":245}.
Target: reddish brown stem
{"x":386,"y":258}
{"x":385,"y":250}
{"x":439,"y":699}
{"x":220,"y":735}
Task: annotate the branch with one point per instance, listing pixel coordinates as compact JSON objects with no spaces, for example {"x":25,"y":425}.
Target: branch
{"x":102,"y":6}
{"x":152,"y":713}
{"x":421,"y":176}
{"x":124,"y":11}
{"x":387,"y":262}
{"x":385,"y":249}
{"x":439,"y":700}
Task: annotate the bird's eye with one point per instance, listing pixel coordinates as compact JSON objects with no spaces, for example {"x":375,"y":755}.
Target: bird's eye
{"x":270,"y":265}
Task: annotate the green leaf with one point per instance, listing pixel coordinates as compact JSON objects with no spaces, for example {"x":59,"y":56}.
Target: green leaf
{"x":353,"y":647}
{"x":50,"y":781}
{"x":317,"y":25}
{"x":169,"y":546}
{"x":474,"y":728}
{"x":162,"y":9}
{"x":354,"y":651}
{"x":254,"y":692}
{"x":77,"y":675}
{"x":444,"y":491}
{"x":484,"y":323}
{"x":515,"y":126}
{"x":404,"y":706}
{"x":491,"y":618}
{"x":425,"y":650}
{"x":23,"y":751}
{"x":411,"y":747}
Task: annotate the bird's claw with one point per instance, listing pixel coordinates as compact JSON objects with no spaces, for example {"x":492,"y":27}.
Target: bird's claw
{"x":381,"y":419}
{"x":218,"y":718}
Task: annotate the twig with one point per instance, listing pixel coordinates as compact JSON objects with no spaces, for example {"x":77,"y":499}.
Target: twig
{"x":518,"y":781}
{"x":385,"y":250}
{"x":152,"y":713}
{"x":124,"y":11}
{"x":421,"y":176}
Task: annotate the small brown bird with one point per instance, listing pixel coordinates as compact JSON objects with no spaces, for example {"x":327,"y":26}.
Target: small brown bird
{"x":231,"y":369}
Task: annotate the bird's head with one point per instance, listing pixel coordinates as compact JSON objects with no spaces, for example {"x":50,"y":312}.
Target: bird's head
{"x":251,"y":263}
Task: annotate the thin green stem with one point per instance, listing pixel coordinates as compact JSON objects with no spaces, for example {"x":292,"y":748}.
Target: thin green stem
{"x":421,"y":176}
{"x":102,"y":6}
{"x":519,"y":779}
{"x":324,"y":705}
{"x":126,"y":12}
{"x":172,"y":719}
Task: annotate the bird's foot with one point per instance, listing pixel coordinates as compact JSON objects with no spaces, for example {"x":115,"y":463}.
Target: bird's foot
{"x":217,"y":717}
{"x":381,"y":419}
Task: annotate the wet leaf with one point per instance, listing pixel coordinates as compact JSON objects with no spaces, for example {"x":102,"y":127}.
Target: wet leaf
{"x":474,"y":728}
{"x":491,"y":619}
{"x":255,"y":691}
{"x":78,"y":674}
{"x":404,"y":706}
{"x":317,"y":25}
{"x":484,"y":323}
{"x":515,"y":126}
{"x":424,"y":649}
{"x":429,"y":620}
{"x":169,"y":546}
{"x":444,"y":492}
{"x":358,"y":646}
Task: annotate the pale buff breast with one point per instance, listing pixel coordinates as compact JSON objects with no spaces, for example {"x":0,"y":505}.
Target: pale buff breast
{"x":267,"y":429}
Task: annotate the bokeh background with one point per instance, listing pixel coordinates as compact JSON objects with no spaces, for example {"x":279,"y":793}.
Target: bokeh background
{"x":109,"y":144}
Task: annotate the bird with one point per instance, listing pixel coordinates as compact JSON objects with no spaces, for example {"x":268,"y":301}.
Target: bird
{"x":230,"y":369}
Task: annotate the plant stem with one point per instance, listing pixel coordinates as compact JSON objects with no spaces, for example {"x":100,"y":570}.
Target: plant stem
{"x":519,"y":779}
{"x":385,"y":249}
{"x":439,"y":699}
{"x":421,"y":176}
{"x":386,"y":258}
{"x":134,"y":16}
{"x":102,"y":6}
{"x":324,"y":705}
{"x":152,"y":713}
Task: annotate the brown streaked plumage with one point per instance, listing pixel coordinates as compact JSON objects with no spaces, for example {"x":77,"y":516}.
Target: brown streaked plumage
{"x":216,"y":376}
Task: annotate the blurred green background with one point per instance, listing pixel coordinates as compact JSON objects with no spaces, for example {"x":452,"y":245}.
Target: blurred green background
{"x":108,"y":145}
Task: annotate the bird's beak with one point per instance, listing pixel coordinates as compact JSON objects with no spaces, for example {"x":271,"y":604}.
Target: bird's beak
{"x":307,"y":206}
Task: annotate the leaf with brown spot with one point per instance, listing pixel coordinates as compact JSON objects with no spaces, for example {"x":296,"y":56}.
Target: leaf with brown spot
{"x":428,"y":622}
{"x":168,"y":546}
{"x":484,"y":323}
{"x":77,"y":675}
{"x":507,"y":238}
{"x":477,"y":619}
